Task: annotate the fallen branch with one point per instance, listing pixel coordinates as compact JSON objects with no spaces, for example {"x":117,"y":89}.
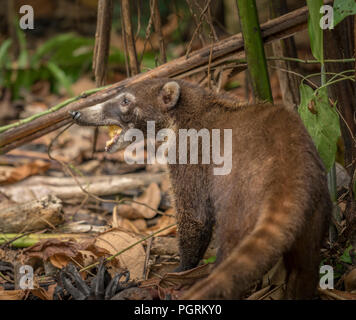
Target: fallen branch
{"x":276,"y":29}
{"x":34,"y":215}
{"x":66,"y":188}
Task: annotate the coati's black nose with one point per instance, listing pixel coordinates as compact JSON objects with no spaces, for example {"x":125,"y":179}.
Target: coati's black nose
{"x":75,"y":114}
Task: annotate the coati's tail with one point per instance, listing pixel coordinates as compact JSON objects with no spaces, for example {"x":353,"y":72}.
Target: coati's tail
{"x":274,"y":233}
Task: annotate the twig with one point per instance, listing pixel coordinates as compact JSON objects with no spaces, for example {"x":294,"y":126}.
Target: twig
{"x":130,"y":40}
{"x":57,"y":107}
{"x":147,"y":257}
{"x":194,"y":16}
{"x":197,"y":28}
{"x":68,"y":169}
{"x":209,"y":64}
{"x":208,"y":18}
{"x":311,"y":61}
{"x":158,"y":28}
{"x":148,"y":31}
{"x":138,"y":20}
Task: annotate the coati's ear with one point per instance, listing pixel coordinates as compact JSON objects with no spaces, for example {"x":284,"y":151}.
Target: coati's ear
{"x":169,"y":95}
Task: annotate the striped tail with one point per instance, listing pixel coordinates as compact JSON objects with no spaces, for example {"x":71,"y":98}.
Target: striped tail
{"x":274,"y":233}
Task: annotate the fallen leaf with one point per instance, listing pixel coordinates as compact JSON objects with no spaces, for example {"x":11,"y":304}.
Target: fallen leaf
{"x":133,"y":259}
{"x":44,"y":294}
{"x":49,"y":248}
{"x":150,"y":199}
{"x":172,"y":282}
{"x":10,"y":174}
{"x":11,"y":294}
{"x":350,"y":280}
{"x":163,"y":222}
{"x":328,"y":294}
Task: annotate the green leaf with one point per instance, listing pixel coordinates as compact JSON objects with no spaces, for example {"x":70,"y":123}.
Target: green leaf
{"x":314,"y":29}
{"x":209,"y":260}
{"x":61,"y":77}
{"x":346,"y":256}
{"x":3,"y":52}
{"x":22,"y":61}
{"x":342,"y":9}
{"x":321,"y":121}
{"x":50,"y":45}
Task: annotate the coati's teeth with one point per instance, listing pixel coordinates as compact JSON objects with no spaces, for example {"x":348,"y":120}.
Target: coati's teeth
{"x":114,"y":132}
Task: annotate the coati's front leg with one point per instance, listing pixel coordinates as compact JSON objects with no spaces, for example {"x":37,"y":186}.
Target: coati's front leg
{"x":195,"y":226}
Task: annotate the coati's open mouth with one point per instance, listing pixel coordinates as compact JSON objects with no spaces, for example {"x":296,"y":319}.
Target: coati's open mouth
{"x":116,"y":141}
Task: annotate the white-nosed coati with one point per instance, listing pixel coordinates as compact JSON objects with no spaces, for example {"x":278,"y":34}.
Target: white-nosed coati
{"x":274,"y":203}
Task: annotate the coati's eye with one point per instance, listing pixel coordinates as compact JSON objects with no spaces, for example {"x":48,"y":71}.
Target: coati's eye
{"x":125,"y":101}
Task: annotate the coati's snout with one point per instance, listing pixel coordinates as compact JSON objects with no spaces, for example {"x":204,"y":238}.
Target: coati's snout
{"x":131,"y":108}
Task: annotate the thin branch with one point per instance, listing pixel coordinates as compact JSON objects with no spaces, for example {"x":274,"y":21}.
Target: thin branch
{"x":129,"y":36}
{"x":158,"y":28}
{"x":196,"y":22}
{"x":148,"y":30}
{"x":197,"y":28}
{"x":312,"y":61}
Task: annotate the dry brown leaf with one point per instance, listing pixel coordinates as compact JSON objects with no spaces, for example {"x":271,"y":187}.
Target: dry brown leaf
{"x":59,"y":260}
{"x":140,"y":224}
{"x":171,"y":282}
{"x":163,"y":222}
{"x":151,"y":198}
{"x":328,"y":294}
{"x":127,"y":211}
{"x":60,"y":253}
{"x":87,"y":257}
{"x":44,"y":294}
{"x":125,"y":225}
{"x":49,"y":248}
{"x":11,"y":294}
{"x":178,"y":279}
{"x":11,"y":174}
{"x":133,"y":259}
{"x":350,"y":280}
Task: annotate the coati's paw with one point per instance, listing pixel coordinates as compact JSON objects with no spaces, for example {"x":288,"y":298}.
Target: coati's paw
{"x":214,"y":287}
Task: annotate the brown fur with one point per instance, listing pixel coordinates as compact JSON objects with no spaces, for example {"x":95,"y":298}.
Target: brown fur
{"x":274,"y":203}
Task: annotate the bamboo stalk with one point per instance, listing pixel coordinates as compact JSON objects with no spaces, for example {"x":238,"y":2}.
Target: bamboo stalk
{"x":24,"y":241}
{"x":255,"y":54}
